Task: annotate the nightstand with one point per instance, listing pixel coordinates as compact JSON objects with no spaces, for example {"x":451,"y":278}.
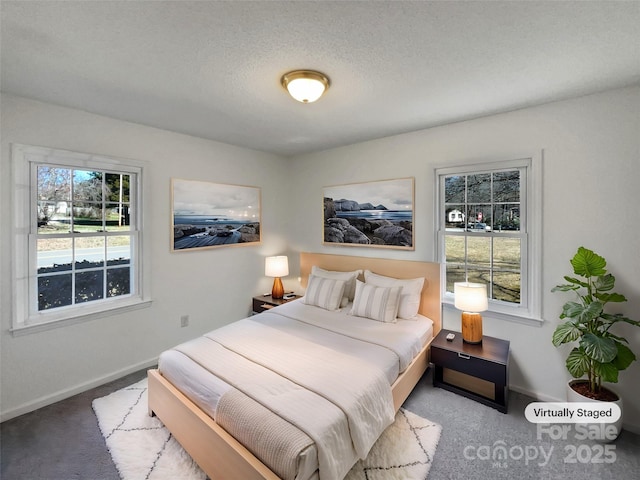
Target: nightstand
{"x":265,"y":302}
{"x":479,"y":372}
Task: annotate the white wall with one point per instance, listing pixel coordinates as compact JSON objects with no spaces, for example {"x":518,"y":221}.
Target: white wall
{"x":591,"y":196}
{"x":212,"y":286}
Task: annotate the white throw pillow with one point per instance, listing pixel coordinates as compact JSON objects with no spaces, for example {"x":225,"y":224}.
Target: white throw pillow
{"x":410,"y":296}
{"x":324,"y":292}
{"x":376,"y":303}
{"x":348,"y":277}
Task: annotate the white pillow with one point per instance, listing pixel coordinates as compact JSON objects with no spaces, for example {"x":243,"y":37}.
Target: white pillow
{"x":348,"y":277}
{"x":410,"y":296}
{"x":376,"y":303}
{"x":324,"y":292}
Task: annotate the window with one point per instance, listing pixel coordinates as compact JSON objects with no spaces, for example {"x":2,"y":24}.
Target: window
{"x":489,"y":232}
{"x":78,"y":247}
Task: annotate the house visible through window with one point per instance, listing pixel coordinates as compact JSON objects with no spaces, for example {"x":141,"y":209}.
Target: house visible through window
{"x":83,"y":235}
{"x":78,"y":248}
{"x":485,"y":228}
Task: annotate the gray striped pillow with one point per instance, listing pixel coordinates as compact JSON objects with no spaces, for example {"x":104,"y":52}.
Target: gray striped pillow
{"x":324,"y":292}
{"x":376,"y":303}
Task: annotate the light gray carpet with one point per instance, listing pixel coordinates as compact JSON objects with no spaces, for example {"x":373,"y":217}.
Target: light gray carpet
{"x":471,"y":430}
{"x":63,"y":441}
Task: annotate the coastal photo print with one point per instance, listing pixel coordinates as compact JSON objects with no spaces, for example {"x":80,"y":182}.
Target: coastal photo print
{"x":208,"y":215}
{"x":371,"y":214}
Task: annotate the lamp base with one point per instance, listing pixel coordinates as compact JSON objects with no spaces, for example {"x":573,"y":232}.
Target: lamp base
{"x":471,"y":327}
{"x":278,"y":290}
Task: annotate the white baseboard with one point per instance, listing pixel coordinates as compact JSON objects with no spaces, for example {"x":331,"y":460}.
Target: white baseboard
{"x":546,"y":398}
{"x":541,"y":397}
{"x":69,"y":392}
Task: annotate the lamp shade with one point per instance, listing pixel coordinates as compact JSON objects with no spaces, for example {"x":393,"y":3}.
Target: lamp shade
{"x":305,"y":86}
{"x":276,"y":266}
{"x":470,"y":297}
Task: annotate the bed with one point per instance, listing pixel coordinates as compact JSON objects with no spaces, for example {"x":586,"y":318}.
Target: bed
{"x":188,"y":410}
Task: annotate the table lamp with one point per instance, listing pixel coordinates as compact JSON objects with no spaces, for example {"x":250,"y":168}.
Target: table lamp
{"x":471,"y":298}
{"x":277,"y":267}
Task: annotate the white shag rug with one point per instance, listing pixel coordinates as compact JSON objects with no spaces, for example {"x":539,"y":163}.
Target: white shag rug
{"x":142,"y":448}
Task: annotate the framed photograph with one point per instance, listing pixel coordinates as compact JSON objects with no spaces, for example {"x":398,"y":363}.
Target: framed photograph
{"x":372,"y":214}
{"x":209,"y":215}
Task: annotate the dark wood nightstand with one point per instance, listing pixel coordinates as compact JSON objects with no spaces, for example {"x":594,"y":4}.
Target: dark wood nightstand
{"x":479,"y":372}
{"x":265,"y":302}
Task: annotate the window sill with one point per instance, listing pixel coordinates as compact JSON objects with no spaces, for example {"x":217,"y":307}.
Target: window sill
{"x":78,"y":318}
{"x":522,"y":319}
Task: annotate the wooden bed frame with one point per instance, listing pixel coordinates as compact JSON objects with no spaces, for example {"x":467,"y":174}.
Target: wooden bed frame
{"x":220,"y":455}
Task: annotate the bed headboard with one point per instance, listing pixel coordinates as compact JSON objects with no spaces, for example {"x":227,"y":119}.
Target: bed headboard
{"x":430,"y":302}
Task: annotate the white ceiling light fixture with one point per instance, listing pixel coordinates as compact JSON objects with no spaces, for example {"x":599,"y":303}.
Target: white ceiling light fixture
{"x":305,"y":86}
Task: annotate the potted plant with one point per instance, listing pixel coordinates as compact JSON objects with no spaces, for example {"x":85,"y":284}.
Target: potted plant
{"x":599,"y":354}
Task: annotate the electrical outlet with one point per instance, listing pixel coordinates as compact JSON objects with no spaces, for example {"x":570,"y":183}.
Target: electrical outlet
{"x":184,"y":321}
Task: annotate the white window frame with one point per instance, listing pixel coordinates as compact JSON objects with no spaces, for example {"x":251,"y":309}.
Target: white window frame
{"x":26,"y":317}
{"x":529,"y":309}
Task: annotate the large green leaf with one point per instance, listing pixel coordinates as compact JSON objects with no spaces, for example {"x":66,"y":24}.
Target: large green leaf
{"x":624,"y":358}
{"x":564,"y":333}
{"x":576,"y":281}
{"x":572,"y":309}
{"x":577,"y":363}
{"x":605,"y":283}
{"x":606,"y":371}
{"x":601,"y":349}
{"x":565,"y":288}
{"x":583,"y":313}
{"x":588,"y":264}
{"x":610,"y":297}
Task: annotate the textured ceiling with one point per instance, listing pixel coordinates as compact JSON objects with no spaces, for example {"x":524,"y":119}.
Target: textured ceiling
{"x":212,"y":69}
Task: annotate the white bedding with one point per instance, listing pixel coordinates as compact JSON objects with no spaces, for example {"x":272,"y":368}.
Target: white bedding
{"x":337,"y":337}
{"x":406,"y":336}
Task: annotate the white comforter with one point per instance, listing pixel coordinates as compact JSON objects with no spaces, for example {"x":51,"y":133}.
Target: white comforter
{"x":341,"y":402}
{"x":315,"y":371}
{"x":402,"y":340}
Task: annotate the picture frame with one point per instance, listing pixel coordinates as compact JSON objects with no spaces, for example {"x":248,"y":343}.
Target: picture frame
{"x":375,"y":214}
{"x":211,"y":215}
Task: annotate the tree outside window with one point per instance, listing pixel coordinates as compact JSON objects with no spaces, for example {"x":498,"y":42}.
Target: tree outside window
{"x":485,"y":227}
{"x":84,"y":235}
